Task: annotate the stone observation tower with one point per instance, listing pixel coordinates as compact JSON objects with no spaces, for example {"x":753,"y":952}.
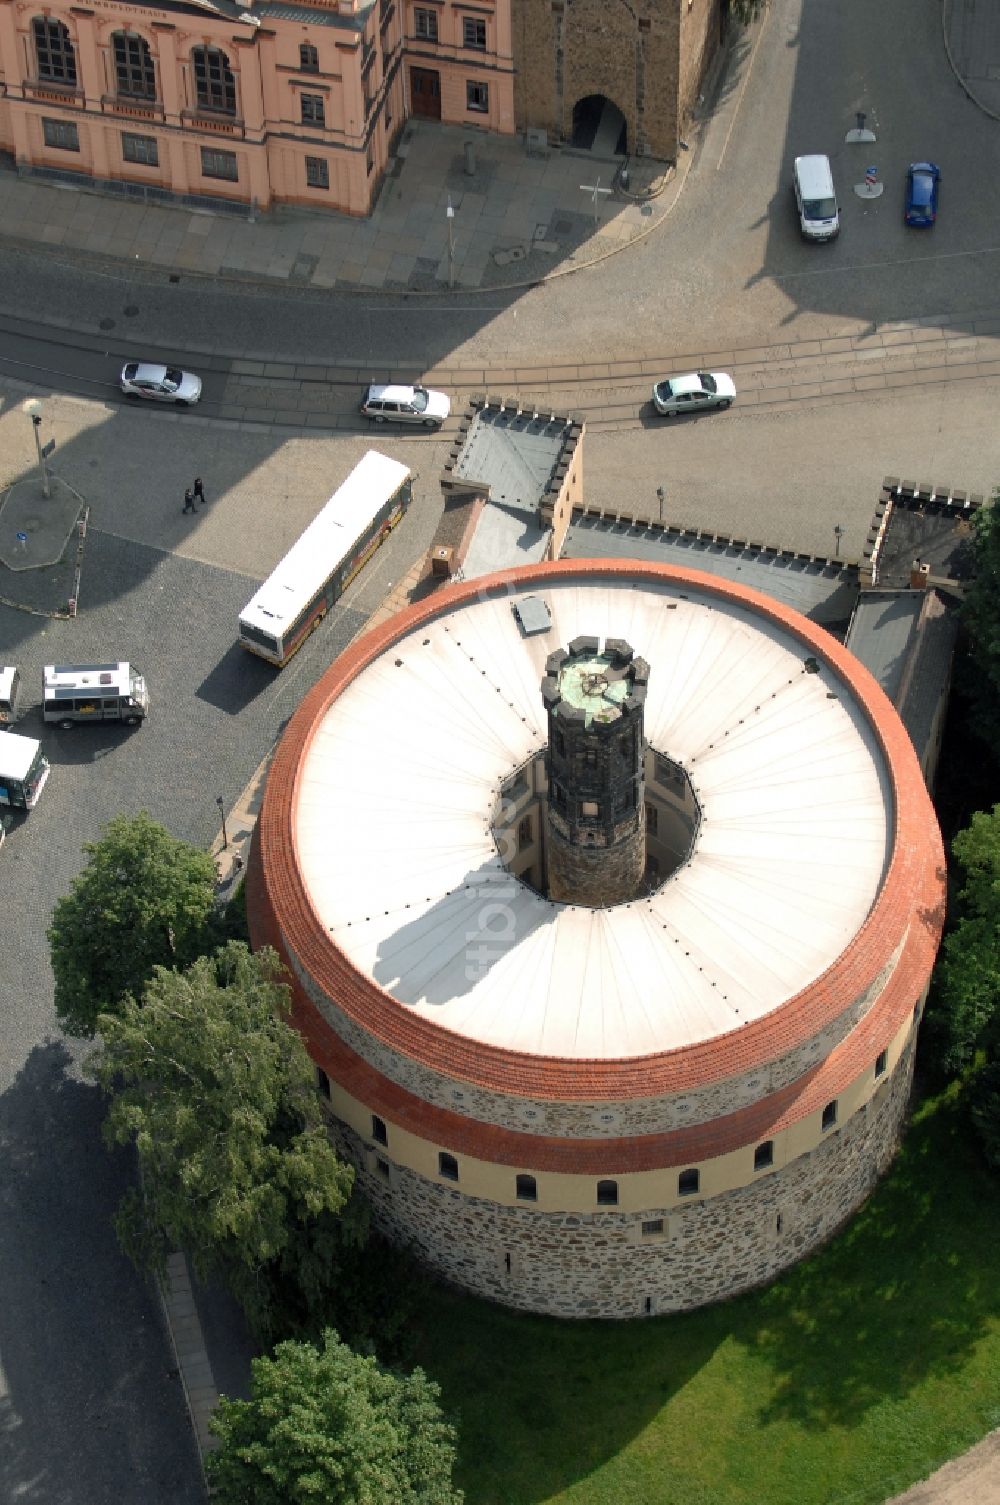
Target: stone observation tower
{"x":596,"y":829}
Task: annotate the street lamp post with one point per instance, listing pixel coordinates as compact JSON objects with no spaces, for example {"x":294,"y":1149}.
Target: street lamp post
{"x":222,"y":813}
{"x":451,"y":243}
{"x":838,"y":533}
{"x":34,"y":410}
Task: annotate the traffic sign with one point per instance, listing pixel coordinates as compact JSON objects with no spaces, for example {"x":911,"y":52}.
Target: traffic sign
{"x":48,"y":448}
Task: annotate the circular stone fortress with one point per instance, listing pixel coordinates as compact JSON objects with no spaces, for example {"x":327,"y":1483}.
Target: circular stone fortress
{"x":610,"y":894}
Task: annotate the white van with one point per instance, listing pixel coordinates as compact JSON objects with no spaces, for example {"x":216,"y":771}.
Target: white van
{"x":819,"y":215}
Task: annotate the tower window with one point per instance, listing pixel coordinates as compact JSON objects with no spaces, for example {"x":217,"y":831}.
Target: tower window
{"x":881,"y":1061}
{"x":652,"y":1227}
{"x":652,"y":819}
{"x":763,"y":1155}
{"x":322,"y":1082}
{"x":527,"y":1191}
{"x":607,"y":1193}
{"x":829,"y":1115}
{"x":382,"y":1167}
{"x":688,"y":1182}
{"x":380,"y":1133}
{"x":524,"y":833}
{"x":447,"y":1166}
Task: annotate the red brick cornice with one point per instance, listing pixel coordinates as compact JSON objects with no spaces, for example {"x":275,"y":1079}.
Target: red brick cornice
{"x":912,"y":893}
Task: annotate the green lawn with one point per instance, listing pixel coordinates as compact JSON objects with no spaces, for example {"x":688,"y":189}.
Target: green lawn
{"x":857,"y":1373}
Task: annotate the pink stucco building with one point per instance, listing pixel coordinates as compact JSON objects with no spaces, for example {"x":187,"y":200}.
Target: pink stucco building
{"x":276,"y":100}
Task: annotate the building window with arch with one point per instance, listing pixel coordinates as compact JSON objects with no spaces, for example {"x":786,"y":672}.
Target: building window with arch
{"x":527,"y":1189}
{"x":134,"y":72}
{"x":380,"y":1133}
{"x":54,"y":55}
{"x":763,"y":1155}
{"x":308,"y":58}
{"x":881,"y":1062}
{"x":830,"y":1115}
{"x":447,"y":1166}
{"x":688,"y":1183}
{"x":215,"y":86}
{"x":607,"y":1193}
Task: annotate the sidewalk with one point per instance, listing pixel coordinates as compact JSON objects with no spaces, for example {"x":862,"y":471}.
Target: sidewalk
{"x":518,"y":219}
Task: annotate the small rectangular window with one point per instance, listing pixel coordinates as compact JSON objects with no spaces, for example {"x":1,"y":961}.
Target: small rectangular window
{"x":62,"y":134}
{"x":308,"y":58}
{"x":474,"y":32}
{"x":313,"y":109}
{"x":524,"y":834}
{"x":763,"y":1155}
{"x":425,"y":24}
{"x":216,"y":164}
{"x":652,"y":819}
{"x":527,"y":1190}
{"x":830,"y":1115}
{"x":447,"y":1166}
{"x":317,"y":172}
{"x":651,"y":1227}
{"x":141,"y":149}
{"x":322,"y":1083}
{"x":477,"y":97}
{"x":380,"y":1133}
{"x":881,"y":1061}
{"x":382,"y":1167}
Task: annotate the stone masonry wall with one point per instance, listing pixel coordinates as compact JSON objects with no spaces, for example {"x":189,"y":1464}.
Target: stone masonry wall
{"x":600,"y":1265}
{"x":582,"y":1120}
{"x":565,"y":50}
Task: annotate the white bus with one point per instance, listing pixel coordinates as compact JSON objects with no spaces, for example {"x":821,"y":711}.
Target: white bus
{"x":23,"y":771}
{"x":297,"y":595}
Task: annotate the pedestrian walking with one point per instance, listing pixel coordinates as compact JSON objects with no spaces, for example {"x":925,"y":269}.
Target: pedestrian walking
{"x":199,"y":490}
{"x":188,"y":501}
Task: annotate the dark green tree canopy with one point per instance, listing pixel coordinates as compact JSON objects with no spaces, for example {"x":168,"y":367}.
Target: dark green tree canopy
{"x":144,"y":899}
{"x":324,"y":1424}
{"x":981,"y":618}
{"x":967,"y":983}
{"x":215,"y":1089}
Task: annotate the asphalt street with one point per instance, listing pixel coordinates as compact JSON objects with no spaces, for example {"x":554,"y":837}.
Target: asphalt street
{"x":90,"y":1408}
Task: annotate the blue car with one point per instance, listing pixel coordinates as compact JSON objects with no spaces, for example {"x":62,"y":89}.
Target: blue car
{"x":922,"y":179}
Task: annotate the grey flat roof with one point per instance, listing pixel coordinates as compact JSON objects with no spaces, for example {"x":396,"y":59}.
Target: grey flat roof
{"x":880,"y":633}
{"x":504,"y":537}
{"x":514,"y":454}
{"x":824,"y":592}
{"x":906,"y":638}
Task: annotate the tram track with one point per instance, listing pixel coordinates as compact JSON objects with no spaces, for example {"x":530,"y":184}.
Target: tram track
{"x":610,"y":395}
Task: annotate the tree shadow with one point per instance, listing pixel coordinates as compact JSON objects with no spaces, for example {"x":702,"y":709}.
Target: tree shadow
{"x":902,"y":1294}
{"x":87,"y":1413}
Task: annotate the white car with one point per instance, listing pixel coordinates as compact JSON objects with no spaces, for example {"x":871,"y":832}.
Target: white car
{"x":406,"y":405}
{"x":695,"y":393}
{"x":160,"y":383}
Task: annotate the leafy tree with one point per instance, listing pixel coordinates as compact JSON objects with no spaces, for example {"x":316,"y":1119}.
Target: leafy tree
{"x":981,"y":618}
{"x":217,"y":1092}
{"x":746,"y":11}
{"x":144,"y":899}
{"x":326,"y":1424}
{"x":967,"y":985}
